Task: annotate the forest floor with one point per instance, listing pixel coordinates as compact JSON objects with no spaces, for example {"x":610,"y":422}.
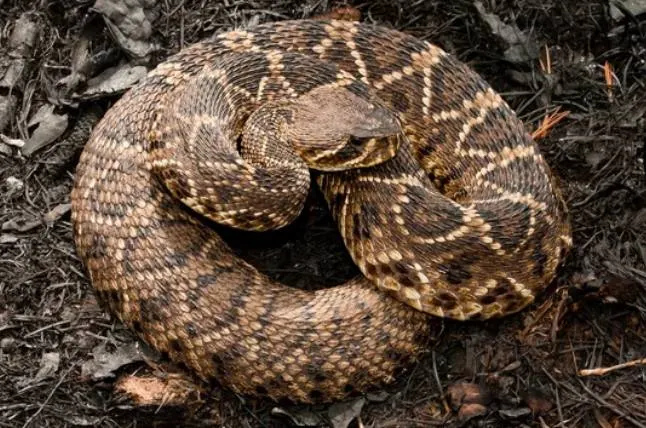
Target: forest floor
{"x":63,"y":362}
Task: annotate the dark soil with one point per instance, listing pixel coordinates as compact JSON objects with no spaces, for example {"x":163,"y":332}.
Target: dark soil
{"x":520,"y":371}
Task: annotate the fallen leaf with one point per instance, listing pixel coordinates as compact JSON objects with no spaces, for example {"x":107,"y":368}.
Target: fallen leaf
{"x":49,"y":363}
{"x":469,"y":411}
{"x":377,"y":396}
{"x":8,"y":238}
{"x":22,"y":40}
{"x":520,"y":47}
{"x":20,"y":225}
{"x":83,"y":421}
{"x":14,"y":186}
{"x":5,"y":150}
{"x":24,"y":36}
{"x":299,"y":417}
{"x":625,"y":8}
{"x":8,"y":343}
{"x":468,"y":399}
{"x":538,"y":401}
{"x":515,"y":413}
{"x":343,"y":413}
{"x":155,"y":391}
{"x":14,"y":142}
{"x":464,"y":392}
{"x":131,"y":24}
{"x":104,"y":363}
{"x":113,"y":80}
{"x":50,"y":127}
{"x":56,"y":213}
{"x":8,"y":105}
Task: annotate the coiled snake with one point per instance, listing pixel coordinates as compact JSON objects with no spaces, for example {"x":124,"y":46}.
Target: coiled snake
{"x":463,"y":222}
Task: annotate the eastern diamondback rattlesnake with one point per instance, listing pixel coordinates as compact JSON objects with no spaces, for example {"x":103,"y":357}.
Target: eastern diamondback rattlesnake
{"x":464,"y":222}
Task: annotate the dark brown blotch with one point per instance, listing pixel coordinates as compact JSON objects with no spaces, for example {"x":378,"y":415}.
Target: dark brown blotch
{"x":395,"y":355}
{"x":400,"y":101}
{"x":157,"y":143}
{"x":114,"y":210}
{"x":406,"y":281}
{"x":456,"y":273}
{"x":112,"y":298}
{"x":361,"y":377}
{"x":337,"y":202}
{"x":317,"y":373}
{"x":401,"y":268}
{"x":98,"y":249}
{"x":425,"y":151}
{"x":237,"y":299}
{"x":446,"y":300}
{"x":371,"y":270}
{"x":514,"y":304}
{"x":193,"y":299}
{"x":487,"y":299}
{"x":128,"y":267}
{"x":136,"y":326}
{"x":149,"y":308}
{"x":218,"y":363}
{"x":385,"y":270}
{"x":178,"y":184}
{"x":315,"y":395}
{"x":177,"y":259}
{"x":359,"y":228}
{"x":206,"y":280}
{"x":540,"y":260}
{"x":369,"y":213}
{"x":499,"y":290}
{"x":175,"y":345}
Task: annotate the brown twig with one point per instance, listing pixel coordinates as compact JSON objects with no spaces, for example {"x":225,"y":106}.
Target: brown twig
{"x":608,"y":77}
{"x":615,"y":409}
{"x":546,"y":65}
{"x":600,"y":371}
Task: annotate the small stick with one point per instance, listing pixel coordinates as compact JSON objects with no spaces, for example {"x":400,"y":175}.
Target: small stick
{"x":547,"y":65}
{"x":608,"y":75}
{"x":600,"y":371}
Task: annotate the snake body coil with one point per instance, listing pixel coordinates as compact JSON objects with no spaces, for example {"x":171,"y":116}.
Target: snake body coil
{"x":464,"y":222}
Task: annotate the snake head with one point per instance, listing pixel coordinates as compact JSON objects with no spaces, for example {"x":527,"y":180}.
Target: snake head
{"x":333,"y":128}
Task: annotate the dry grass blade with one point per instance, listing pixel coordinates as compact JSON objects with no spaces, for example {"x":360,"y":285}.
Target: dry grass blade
{"x":549,"y":122}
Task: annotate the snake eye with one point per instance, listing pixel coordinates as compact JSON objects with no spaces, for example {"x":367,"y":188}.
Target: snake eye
{"x":355,"y":141}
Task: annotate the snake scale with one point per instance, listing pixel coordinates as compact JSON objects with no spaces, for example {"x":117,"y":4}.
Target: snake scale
{"x":464,"y":222}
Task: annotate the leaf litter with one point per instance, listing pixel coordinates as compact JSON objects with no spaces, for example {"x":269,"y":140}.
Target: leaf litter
{"x":572,"y":359}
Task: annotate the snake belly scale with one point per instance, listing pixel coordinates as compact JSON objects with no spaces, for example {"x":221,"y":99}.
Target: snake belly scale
{"x":464,"y":222}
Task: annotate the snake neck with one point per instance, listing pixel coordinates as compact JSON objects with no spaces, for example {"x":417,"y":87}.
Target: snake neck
{"x":266,"y":143}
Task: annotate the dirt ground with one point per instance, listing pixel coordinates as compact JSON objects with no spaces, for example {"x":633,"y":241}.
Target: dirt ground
{"x":60,"y":354}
